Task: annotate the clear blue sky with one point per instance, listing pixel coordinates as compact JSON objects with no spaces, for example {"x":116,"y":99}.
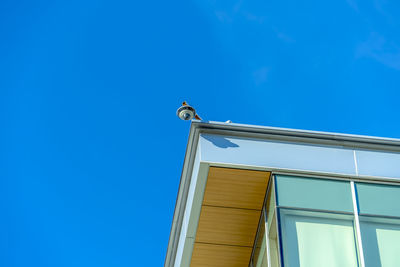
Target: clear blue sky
{"x":91,"y":150}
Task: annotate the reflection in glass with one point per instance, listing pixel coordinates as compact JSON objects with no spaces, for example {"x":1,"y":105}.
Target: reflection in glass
{"x":311,"y":193}
{"x":381,"y":241}
{"x":273,"y":243}
{"x":266,"y":250}
{"x":260,"y":258}
{"x":378,"y":199}
{"x":311,"y":241}
{"x":272,"y":228}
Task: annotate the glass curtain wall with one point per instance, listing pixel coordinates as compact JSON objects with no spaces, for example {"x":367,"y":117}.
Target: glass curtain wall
{"x":266,"y":249}
{"x":313,"y":222}
{"x":316,"y":222}
{"x":379,"y":210}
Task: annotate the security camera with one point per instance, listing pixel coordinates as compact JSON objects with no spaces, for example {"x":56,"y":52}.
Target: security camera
{"x":186,"y":112}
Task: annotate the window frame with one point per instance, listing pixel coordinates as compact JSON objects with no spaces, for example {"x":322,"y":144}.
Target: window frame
{"x":272,"y":185}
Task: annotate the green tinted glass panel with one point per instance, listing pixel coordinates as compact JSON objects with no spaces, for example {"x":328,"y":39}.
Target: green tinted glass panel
{"x":378,"y":199}
{"x":314,"y":242}
{"x":381,"y":242}
{"x":314,"y":193}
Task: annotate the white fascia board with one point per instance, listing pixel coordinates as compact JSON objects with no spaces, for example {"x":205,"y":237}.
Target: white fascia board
{"x":276,"y":154}
{"x":180,"y":205}
{"x":191,"y":215}
{"x":301,"y":136}
{"x":379,"y":164}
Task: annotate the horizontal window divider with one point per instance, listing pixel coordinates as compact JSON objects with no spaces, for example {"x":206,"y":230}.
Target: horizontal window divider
{"x":315,"y":210}
{"x":379,"y":216}
{"x":312,"y":175}
{"x":338,"y":177}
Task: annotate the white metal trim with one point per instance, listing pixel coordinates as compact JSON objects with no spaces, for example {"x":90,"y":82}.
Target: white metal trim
{"x":357,"y":222}
{"x":311,"y":174}
{"x":277,"y":220}
{"x":266,"y":236}
{"x":355,"y":161}
{"x":319,"y":137}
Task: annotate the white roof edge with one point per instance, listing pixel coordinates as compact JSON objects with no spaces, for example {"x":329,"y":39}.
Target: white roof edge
{"x":246,"y":130}
{"x":243,"y":130}
{"x":180,"y":203}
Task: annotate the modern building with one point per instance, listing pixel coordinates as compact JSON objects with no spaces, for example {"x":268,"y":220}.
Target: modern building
{"x":262,"y":196}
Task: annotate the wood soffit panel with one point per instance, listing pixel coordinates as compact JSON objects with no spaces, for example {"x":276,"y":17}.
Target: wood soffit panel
{"x":227,"y":226}
{"x":229,"y":217}
{"x":211,"y":255}
{"x":235,"y":188}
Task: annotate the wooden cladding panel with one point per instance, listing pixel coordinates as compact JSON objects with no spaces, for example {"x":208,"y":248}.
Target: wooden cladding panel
{"x":227,"y":226}
{"x":211,"y":255}
{"x":229,"y":217}
{"x":235,"y":188}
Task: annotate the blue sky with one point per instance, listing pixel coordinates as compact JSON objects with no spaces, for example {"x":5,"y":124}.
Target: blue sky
{"x":91,"y":148}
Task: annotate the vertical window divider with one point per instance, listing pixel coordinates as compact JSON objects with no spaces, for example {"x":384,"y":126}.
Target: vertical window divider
{"x":277,"y":221}
{"x":266,"y":236}
{"x":357,"y":222}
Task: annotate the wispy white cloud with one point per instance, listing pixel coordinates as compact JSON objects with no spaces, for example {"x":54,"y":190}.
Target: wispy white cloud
{"x":353,"y":4}
{"x":227,"y":15}
{"x":382,"y":8}
{"x":223,"y":16}
{"x":252,"y":17}
{"x":381,"y":50}
{"x":237,"y":6}
{"x":283,"y":36}
{"x":260,"y":75}
{"x":235,"y":11}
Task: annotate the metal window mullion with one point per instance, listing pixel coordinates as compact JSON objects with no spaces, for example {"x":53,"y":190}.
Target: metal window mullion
{"x":266,"y":236}
{"x":357,"y":226}
{"x":277,"y":223}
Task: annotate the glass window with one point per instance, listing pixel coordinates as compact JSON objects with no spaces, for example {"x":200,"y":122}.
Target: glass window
{"x":381,"y":241}
{"x":260,"y":258}
{"x":273,"y":243}
{"x":311,"y":193}
{"x":266,"y":250}
{"x":311,"y":239}
{"x":272,"y":229}
{"x":316,"y":224}
{"x":378,"y":199}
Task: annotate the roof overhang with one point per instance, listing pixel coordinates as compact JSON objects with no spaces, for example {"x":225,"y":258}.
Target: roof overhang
{"x":229,"y":144}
